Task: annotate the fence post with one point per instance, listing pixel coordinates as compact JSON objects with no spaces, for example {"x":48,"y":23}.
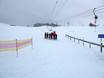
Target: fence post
{"x":16,"y":47}
{"x":89,"y":45}
{"x":32,"y":42}
{"x":83,"y":43}
{"x":70,"y":38}
{"x":78,"y":41}
{"x":101,"y":49}
{"x":74,"y":39}
{"x":101,"y":45}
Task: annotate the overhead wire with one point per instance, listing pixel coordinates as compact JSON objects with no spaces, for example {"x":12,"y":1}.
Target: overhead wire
{"x":53,"y":10}
{"x":53,"y":13}
{"x":60,"y":8}
{"x":87,"y":12}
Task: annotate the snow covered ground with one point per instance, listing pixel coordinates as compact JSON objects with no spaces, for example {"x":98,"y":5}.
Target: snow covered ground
{"x":52,"y":59}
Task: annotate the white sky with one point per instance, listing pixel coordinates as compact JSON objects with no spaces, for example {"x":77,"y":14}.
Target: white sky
{"x":27,"y":12}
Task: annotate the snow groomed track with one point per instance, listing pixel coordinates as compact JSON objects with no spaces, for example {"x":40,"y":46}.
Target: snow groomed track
{"x":59,"y":58}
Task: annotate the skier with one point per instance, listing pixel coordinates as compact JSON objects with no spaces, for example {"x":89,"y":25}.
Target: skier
{"x":49,"y":35}
{"x":53,"y":35}
{"x":45,"y":35}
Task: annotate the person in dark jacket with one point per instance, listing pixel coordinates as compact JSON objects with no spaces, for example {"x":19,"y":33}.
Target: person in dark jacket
{"x":45,"y":35}
{"x":53,"y":35}
{"x":50,"y":36}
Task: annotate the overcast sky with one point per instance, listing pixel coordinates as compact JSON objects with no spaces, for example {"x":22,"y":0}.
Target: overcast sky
{"x":28,"y":12}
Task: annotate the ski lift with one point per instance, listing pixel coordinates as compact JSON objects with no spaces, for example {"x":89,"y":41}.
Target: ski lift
{"x":95,"y":19}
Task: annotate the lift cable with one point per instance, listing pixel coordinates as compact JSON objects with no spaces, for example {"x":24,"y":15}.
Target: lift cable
{"x":86,"y":12}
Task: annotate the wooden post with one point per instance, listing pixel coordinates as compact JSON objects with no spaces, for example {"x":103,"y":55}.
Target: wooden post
{"x":89,"y":45}
{"x":100,"y":40}
{"x":101,"y":49}
{"x":16,"y":47}
{"x":74,"y":39}
{"x":70,"y":38}
{"x":83,"y":43}
{"x":78,"y":41}
{"x":101,"y":45}
{"x":32,"y":42}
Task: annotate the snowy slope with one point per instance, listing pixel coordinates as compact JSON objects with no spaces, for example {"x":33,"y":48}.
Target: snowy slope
{"x":51,"y":59}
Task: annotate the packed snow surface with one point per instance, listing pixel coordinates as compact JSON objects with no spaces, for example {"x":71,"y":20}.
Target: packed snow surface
{"x":61,"y":58}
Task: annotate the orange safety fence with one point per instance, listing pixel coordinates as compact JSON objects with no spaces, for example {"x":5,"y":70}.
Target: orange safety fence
{"x":14,"y":45}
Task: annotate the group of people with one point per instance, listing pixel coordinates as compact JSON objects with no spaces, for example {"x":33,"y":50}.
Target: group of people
{"x":51,"y":35}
